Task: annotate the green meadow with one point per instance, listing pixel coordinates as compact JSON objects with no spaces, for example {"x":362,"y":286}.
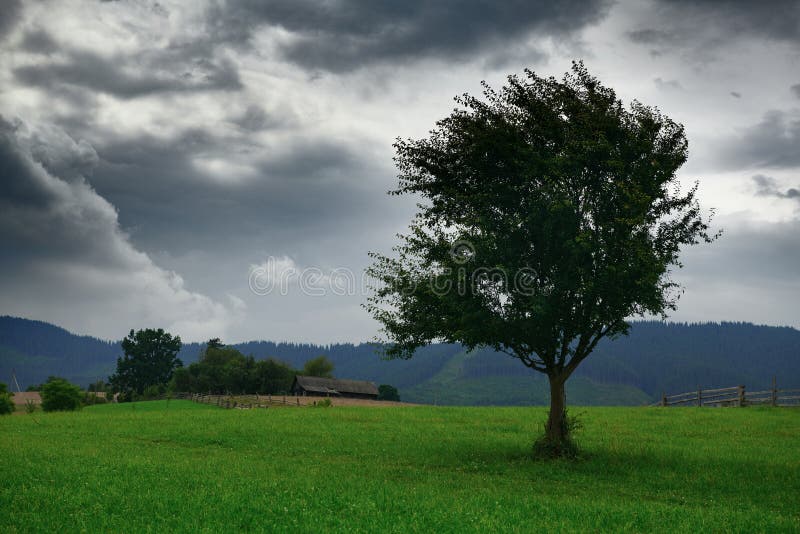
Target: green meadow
{"x":175,"y":466}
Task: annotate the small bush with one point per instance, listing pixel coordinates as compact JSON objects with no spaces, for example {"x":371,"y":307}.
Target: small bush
{"x":60,"y":395}
{"x":6,"y":404}
{"x":156,"y":391}
{"x":324,"y":403}
{"x":387,"y":392}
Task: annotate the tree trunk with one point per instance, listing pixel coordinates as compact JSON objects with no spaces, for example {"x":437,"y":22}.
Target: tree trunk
{"x":556,"y":431}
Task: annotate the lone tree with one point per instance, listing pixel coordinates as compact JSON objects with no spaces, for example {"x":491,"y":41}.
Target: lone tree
{"x":550,"y":213}
{"x":151,"y":356}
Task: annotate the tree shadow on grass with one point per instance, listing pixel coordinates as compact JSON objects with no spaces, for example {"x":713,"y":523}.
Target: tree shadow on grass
{"x":654,"y":471}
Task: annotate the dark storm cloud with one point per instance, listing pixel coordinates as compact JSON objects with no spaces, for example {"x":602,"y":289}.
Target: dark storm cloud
{"x":44,"y":216}
{"x":9,"y":15}
{"x":346,"y":34}
{"x":713,"y":23}
{"x":776,"y":19}
{"x":302,"y":188}
{"x":65,"y":258}
{"x":13,"y":169}
{"x":736,"y":94}
{"x":130,"y":77}
{"x":38,"y":42}
{"x":766,"y":186}
{"x":772,"y":143}
{"x":255,"y":119}
{"x":57,"y":153}
{"x":652,"y":36}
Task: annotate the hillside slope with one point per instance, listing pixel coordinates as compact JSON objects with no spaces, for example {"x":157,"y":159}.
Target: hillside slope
{"x":656,"y":357}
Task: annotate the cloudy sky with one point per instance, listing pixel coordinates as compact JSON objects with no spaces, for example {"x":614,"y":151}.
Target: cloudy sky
{"x":163,"y":163}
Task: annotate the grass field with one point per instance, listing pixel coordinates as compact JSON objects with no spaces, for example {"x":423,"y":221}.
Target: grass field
{"x":180,"y":466}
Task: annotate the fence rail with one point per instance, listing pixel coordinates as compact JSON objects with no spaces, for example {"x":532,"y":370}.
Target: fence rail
{"x":248,"y":401}
{"x":733,"y":396}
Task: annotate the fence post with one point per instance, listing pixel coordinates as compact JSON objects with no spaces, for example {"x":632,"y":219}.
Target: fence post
{"x":699,"y":397}
{"x":774,"y":391}
{"x":741,"y":396}
{"x":663,"y":398}
{"x":298,"y":400}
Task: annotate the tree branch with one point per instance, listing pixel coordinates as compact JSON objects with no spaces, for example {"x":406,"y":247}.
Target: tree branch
{"x":528,"y":361}
{"x":582,"y":353}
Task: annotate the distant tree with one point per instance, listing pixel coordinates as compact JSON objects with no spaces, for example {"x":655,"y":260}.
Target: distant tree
{"x":225,"y":369}
{"x":550,"y":214}
{"x":387,"y":392}
{"x":273,"y":377}
{"x":6,"y":403}
{"x":91,"y":397}
{"x":151,"y":356}
{"x":220,"y":369}
{"x":182,"y":380}
{"x":38,"y":387}
{"x":97,"y":386}
{"x":320,"y":366}
{"x":214,"y":343}
{"x":60,"y":395}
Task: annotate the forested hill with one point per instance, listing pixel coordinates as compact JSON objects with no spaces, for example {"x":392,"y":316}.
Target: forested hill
{"x":655,"y":357}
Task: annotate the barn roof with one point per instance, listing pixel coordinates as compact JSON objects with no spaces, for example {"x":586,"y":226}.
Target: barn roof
{"x":333,"y":386}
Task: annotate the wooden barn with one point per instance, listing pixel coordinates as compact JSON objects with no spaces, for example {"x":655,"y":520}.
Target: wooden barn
{"x":315,"y":386}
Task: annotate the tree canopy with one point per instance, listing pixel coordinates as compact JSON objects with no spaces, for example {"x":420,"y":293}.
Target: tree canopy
{"x":151,"y":356}
{"x":223,"y":369}
{"x":320,"y":366}
{"x":550,"y":214}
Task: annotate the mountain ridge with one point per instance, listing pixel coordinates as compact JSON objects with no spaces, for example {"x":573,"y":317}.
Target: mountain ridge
{"x":656,"y":357}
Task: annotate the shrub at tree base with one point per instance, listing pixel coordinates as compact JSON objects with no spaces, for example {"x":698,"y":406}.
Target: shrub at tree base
{"x":60,"y":395}
{"x":546,"y":448}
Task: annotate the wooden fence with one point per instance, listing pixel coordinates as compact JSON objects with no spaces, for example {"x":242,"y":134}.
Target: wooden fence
{"x":248,"y":401}
{"x":733,"y":396}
